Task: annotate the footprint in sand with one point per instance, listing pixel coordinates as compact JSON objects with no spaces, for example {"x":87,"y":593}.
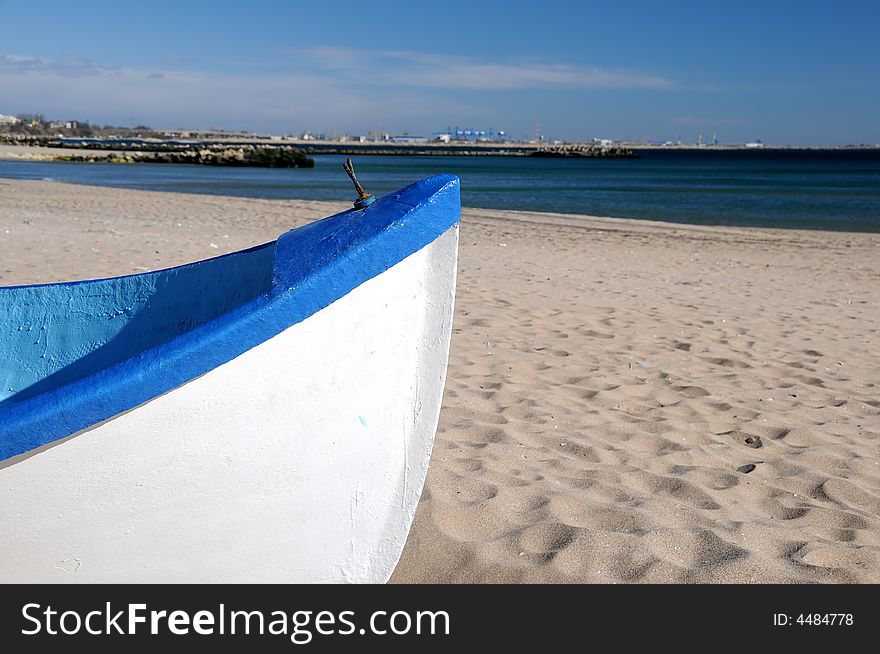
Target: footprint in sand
{"x":726,"y":362}
{"x":691,"y":391}
{"x":743,"y":438}
{"x":839,"y":557}
{"x":546,"y":540}
{"x":848,"y":494}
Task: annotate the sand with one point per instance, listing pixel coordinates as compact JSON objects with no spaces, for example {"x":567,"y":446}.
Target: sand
{"x":626,"y":401}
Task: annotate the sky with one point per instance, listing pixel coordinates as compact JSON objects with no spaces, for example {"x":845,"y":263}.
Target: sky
{"x":786,"y":72}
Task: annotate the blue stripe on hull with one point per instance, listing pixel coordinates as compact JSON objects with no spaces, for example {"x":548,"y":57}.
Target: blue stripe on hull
{"x":86,"y":351}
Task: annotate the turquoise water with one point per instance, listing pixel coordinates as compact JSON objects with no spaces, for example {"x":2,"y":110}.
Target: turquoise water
{"x":836,"y":190}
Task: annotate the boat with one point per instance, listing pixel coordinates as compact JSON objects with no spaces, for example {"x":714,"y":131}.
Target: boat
{"x":264,"y":416}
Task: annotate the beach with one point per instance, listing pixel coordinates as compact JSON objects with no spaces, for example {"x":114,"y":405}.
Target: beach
{"x":626,"y":401}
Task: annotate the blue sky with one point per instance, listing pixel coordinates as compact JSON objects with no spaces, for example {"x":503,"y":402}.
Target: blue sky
{"x":786,"y":72}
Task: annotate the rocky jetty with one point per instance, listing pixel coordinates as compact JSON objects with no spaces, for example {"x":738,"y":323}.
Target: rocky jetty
{"x":583,"y":150}
{"x":241,"y":156}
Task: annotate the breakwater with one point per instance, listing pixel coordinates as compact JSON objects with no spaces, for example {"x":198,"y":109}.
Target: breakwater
{"x":351,"y":148}
{"x":242,"y":156}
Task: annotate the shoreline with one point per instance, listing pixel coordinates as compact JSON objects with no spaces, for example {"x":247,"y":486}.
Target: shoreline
{"x":625,"y":402}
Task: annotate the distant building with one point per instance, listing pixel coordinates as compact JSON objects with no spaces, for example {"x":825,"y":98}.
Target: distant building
{"x":31,"y":120}
{"x":9,"y":120}
{"x":469,"y":135}
{"x":755,"y":144}
{"x":407,"y":138}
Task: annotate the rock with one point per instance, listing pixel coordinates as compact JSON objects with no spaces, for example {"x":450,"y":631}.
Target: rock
{"x":256,"y":156}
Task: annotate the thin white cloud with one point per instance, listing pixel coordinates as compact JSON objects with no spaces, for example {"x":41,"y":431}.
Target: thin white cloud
{"x":705,"y":120}
{"x":322,"y":89}
{"x":417,"y":69}
{"x":173,"y":98}
{"x":13,"y":64}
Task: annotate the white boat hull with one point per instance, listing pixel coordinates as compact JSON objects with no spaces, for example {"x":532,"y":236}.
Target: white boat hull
{"x":301,"y":460}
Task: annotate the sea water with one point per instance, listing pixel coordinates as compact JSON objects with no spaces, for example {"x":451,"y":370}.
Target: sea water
{"x":831,"y":189}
